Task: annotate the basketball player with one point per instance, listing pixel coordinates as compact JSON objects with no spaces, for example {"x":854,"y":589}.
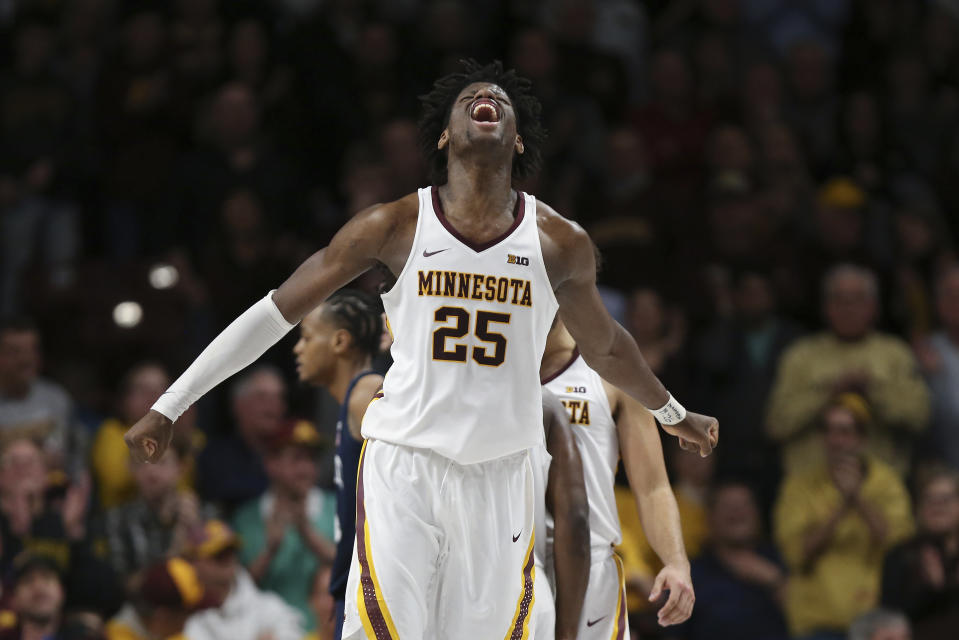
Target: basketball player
{"x":608,"y":424}
{"x":445,"y":494}
{"x":562,"y":493}
{"x":338,"y":341}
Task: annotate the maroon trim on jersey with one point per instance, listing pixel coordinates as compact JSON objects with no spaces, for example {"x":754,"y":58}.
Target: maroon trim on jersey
{"x":562,"y":369}
{"x":527,"y":599}
{"x":479,"y":246}
{"x":380,"y":629}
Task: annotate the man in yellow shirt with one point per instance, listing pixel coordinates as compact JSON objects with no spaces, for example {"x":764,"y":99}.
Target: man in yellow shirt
{"x":833,"y":524}
{"x":849,"y":356}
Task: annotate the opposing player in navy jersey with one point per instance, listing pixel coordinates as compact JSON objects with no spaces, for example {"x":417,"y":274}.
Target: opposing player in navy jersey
{"x":445,"y":491}
{"x":338,"y":341}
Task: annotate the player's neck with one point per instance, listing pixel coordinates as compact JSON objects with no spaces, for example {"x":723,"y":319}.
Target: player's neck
{"x":345,"y":372}
{"x":477,"y":192}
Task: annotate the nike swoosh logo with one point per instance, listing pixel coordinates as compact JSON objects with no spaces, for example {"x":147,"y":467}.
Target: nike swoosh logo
{"x":590,"y":623}
{"x":427,"y":254}
{"x":516,"y":537}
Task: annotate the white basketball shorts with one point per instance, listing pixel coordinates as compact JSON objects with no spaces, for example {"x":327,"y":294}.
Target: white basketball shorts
{"x":443,"y":550}
{"x":604,"y":610}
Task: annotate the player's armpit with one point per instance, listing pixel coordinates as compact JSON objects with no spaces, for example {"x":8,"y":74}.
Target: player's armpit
{"x":567,"y":501}
{"x":376,"y":234}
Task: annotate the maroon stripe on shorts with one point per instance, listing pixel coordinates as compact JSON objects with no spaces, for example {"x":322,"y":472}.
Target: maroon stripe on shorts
{"x":621,"y":624}
{"x":378,"y":622}
{"x":527,"y":600}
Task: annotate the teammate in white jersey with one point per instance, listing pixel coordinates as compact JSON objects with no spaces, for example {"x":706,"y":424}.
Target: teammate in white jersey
{"x":608,"y":424}
{"x":445,"y":496}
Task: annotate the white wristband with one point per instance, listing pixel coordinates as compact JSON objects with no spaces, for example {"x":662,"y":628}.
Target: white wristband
{"x":246,"y":339}
{"x":671,"y":412}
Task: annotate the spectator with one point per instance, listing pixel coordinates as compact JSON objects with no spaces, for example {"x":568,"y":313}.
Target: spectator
{"x":169,"y":592}
{"x":660,"y":331}
{"x":939,"y":357}
{"x":109,"y":455}
{"x":158,"y":522}
{"x":739,"y":578}
{"x":880,"y":624}
{"x":37,"y":600}
{"x":849,"y":356}
{"x":735,"y":364}
{"x":30,"y":404}
{"x":246,"y":613}
{"x":833,"y":523}
{"x":36,"y":132}
{"x":288,"y":532}
{"x":921,"y":576}
{"x":259,"y":404}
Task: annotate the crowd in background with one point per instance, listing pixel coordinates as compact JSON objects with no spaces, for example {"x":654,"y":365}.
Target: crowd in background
{"x":770,"y":183}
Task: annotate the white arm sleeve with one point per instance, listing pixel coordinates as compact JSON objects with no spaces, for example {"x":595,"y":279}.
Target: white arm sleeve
{"x":246,"y":339}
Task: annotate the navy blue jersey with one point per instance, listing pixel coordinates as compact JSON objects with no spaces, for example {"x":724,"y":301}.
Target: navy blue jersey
{"x":345,"y":464}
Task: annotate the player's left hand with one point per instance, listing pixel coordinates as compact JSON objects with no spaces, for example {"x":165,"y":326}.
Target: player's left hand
{"x":696,"y":433}
{"x":679,"y":606}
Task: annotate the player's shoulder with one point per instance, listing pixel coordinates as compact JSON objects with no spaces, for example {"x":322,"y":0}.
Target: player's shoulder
{"x":557,"y":227}
{"x":395,"y":211}
{"x":363,"y":392}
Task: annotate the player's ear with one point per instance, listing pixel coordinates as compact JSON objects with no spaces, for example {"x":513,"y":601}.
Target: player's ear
{"x":520,"y":147}
{"x":341,"y":341}
{"x":444,"y":139}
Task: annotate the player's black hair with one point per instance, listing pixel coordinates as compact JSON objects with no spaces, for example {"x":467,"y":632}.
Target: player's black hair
{"x":438,"y":103}
{"x":359,"y":313}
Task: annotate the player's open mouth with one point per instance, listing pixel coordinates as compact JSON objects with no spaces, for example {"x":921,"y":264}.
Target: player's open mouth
{"x":484,"y":110}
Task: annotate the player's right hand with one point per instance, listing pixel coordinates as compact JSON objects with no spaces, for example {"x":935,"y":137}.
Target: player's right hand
{"x":149,"y":438}
{"x":696,"y":433}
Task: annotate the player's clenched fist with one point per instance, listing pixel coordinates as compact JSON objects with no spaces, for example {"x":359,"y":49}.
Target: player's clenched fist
{"x":149,"y":438}
{"x":696,"y":433}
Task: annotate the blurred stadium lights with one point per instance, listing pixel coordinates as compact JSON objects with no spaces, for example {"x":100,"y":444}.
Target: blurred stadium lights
{"x":127,"y":314}
{"x":163,"y":276}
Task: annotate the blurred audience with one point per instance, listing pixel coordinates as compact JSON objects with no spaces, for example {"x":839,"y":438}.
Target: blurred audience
{"x":37,"y":600}
{"x":880,"y":624}
{"x":31,"y":405}
{"x":921,"y":576}
{"x":288,"y":532}
{"x":244,"y":612}
{"x":167,"y":594}
{"x":159,"y":521}
{"x":849,"y":356}
{"x":109,"y":455}
{"x":739,"y":578}
{"x":258,"y":402}
{"x":939,"y":357}
{"x":833,"y":523}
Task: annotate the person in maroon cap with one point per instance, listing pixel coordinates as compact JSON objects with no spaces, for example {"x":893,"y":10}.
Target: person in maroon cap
{"x":169,"y":593}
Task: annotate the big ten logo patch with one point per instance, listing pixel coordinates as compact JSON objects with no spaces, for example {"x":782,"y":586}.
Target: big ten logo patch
{"x":520,"y":260}
{"x":575,"y":389}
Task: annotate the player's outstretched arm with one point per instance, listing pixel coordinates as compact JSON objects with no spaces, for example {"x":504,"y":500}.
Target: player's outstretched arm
{"x":605,"y":345}
{"x":373,"y":234}
{"x":567,"y":502}
{"x":642,"y":455}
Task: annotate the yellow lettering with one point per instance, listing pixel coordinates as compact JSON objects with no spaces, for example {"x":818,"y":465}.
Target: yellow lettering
{"x":477,"y":283}
{"x":449,"y":284}
{"x":527,"y":300}
{"x":426,"y":283}
{"x":464,"y":286}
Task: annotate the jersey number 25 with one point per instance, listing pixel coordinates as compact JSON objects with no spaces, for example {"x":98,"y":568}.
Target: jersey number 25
{"x":460,"y":326}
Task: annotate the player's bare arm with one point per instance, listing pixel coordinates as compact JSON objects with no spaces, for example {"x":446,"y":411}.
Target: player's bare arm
{"x":605,"y":345}
{"x":381,"y":233}
{"x":360,"y":399}
{"x":567,"y":501}
{"x":642,"y":455}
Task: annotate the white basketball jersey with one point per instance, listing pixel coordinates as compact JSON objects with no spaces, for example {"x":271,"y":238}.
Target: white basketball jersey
{"x":469,"y":326}
{"x":581,"y":391}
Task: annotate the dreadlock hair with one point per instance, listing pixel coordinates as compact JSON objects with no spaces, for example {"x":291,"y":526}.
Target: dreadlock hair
{"x":358,"y":313}
{"x":438,"y":103}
